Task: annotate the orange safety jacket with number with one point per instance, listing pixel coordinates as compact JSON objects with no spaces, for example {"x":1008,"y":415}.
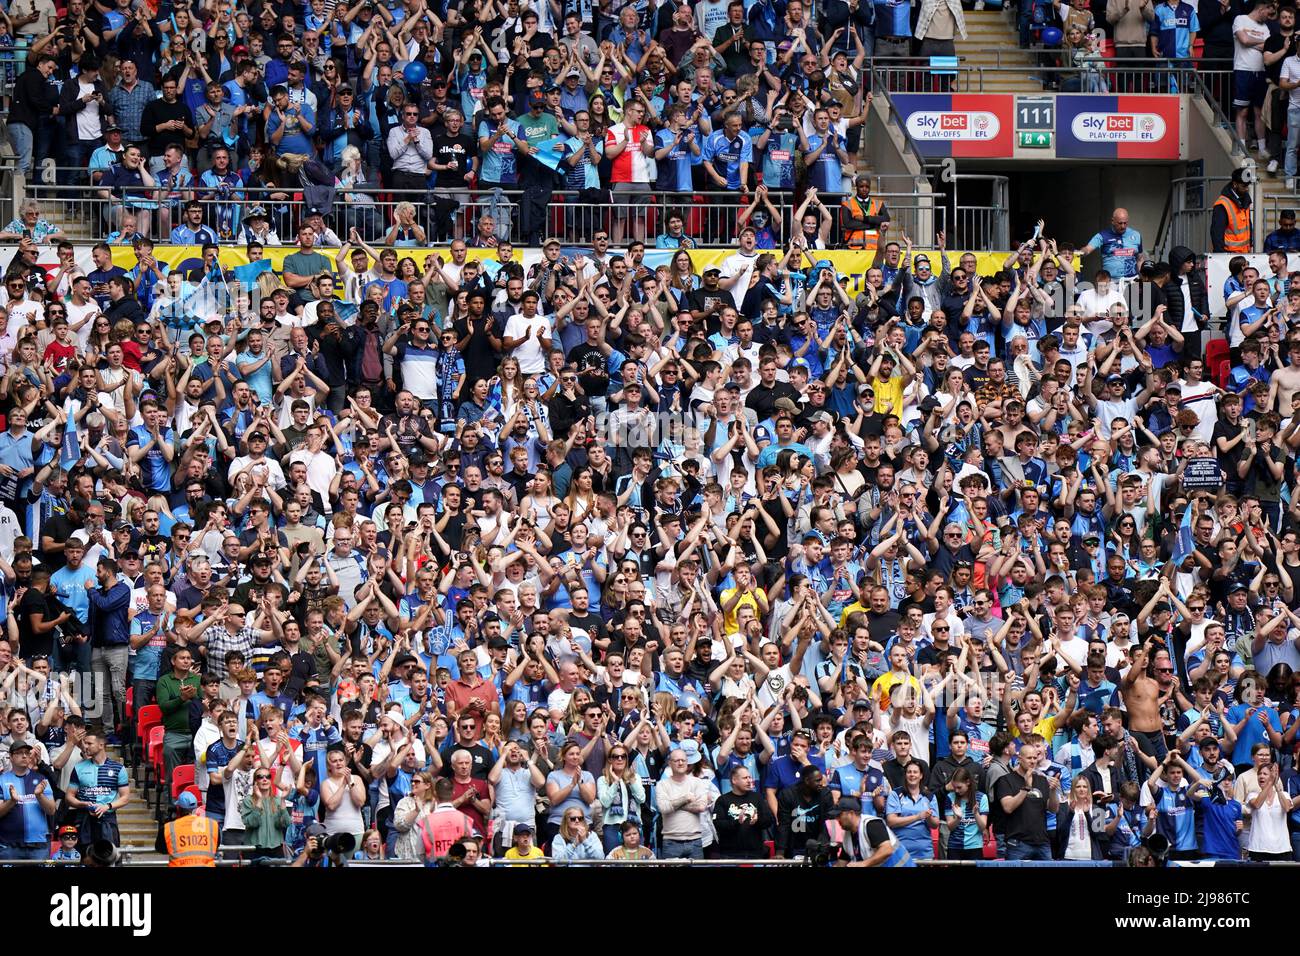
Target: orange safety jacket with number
{"x":1236,"y":233}
{"x":191,"y":840}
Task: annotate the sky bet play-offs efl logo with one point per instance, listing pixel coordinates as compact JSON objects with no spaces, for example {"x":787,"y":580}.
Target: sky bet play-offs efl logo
{"x":1118,"y":128}
{"x":948,"y":125}
{"x":78,"y":910}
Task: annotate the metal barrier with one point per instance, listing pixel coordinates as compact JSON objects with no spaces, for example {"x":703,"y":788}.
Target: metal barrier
{"x":710,"y":218}
{"x":1190,"y":206}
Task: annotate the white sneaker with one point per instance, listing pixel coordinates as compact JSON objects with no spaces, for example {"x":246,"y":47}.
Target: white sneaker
{"x":1272,"y":166}
{"x":979,"y":4}
{"x":1264,"y":153}
{"x":1290,"y":183}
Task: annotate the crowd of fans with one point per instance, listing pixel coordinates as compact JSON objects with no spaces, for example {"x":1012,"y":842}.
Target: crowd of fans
{"x":452,"y":560}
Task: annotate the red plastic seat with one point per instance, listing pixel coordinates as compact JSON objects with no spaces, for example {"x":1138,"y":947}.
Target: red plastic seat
{"x":182,"y":777}
{"x":1217,"y":361}
{"x":153,"y":758}
{"x":146,"y":719}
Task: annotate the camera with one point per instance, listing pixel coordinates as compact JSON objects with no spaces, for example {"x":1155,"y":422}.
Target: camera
{"x":821,"y":853}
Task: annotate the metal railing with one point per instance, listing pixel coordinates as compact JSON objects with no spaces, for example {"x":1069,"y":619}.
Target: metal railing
{"x":709,"y":218}
{"x":1191,"y":204}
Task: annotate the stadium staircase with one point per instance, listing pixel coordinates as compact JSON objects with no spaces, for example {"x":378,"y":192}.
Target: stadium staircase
{"x":135,"y":821}
{"x":992,"y":47}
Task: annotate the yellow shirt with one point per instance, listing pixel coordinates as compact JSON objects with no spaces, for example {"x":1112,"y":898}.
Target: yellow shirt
{"x":729,"y":624}
{"x":1045,"y":728}
{"x":534,"y":853}
{"x":889,"y":392}
{"x":885,"y":684}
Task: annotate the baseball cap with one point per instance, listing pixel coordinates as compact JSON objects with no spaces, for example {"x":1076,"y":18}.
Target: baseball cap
{"x":66,"y":830}
{"x":523,"y":828}
{"x":1238,"y":586}
{"x":318,"y":829}
{"x":862,"y":702}
{"x":187,"y":801}
{"x":850,"y":804}
{"x":19,"y":745}
{"x":820,"y":417}
{"x":1112,"y":379}
{"x":403,"y":658}
{"x":551,"y":242}
{"x":536,"y":98}
{"x":786,"y":404}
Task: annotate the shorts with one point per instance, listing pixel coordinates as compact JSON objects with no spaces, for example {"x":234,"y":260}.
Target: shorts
{"x":1248,"y":88}
{"x":629,"y":194}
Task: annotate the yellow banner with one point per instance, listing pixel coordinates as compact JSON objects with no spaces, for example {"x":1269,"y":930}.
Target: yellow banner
{"x":850,"y":263}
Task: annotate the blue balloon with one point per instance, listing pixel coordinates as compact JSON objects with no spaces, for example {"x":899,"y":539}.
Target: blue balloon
{"x":415,"y":71}
{"x":1052,"y":36}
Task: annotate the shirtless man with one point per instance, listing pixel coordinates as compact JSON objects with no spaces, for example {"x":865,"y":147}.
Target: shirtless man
{"x":1142,"y":694}
{"x":1285,"y":383}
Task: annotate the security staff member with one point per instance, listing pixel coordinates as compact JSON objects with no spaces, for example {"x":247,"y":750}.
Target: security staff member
{"x":866,"y":840}
{"x":189,"y":840}
{"x":1230,"y":229}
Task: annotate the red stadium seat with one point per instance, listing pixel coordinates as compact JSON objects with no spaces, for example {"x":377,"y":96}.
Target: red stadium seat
{"x":153,"y":759}
{"x":182,"y":777}
{"x":148,"y":717}
{"x":1217,"y":362}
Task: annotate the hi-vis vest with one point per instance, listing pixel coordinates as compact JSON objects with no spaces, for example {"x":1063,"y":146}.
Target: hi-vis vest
{"x":1236,"y":234}
{"x":857,"y":850}
{"x":440,"y":829}
{"x":861,"y":238}
{"x":191,"y":840}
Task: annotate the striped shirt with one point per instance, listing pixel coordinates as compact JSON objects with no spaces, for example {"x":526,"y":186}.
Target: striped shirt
{"x":129,"y":105}
{"x":98,"y":782}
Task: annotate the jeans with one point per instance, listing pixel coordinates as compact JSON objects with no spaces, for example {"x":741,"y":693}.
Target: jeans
{"x":40,"y":852}
{"x":23,"y":140}
{"x":1017,"y":850}
{"x":611,"y":836}
{"x":178,"y":749}
{"x":110,"y":667}
{"x":682,"y":850}
{"x":75,"y":658}
{"x":76,"y":155}
{"x":1295,"y":847}
{"x":142,"y":693}
{"x":1292,"y":139}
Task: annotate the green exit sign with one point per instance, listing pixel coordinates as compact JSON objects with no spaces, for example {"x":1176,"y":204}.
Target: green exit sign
{"x":1035,"y":140}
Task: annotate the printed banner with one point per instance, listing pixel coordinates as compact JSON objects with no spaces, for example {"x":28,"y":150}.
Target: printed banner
{"x":959,"y":124}
{"x":234,"y":259}
{"x":1144,"y":126}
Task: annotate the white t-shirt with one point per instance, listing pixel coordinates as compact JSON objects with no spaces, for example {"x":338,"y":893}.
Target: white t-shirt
{"x":739,"y":264}
{"x":23,"y":313}
{"x":9,"y":530}
{"x":1247,"y":57}
{"x":78,"y":312}
{"x":1108,"y":411}
{"x":1194,"y":398}
{"x":530,"y":354}
{"x":1291,"y":71}
{"x":88,"y":124}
